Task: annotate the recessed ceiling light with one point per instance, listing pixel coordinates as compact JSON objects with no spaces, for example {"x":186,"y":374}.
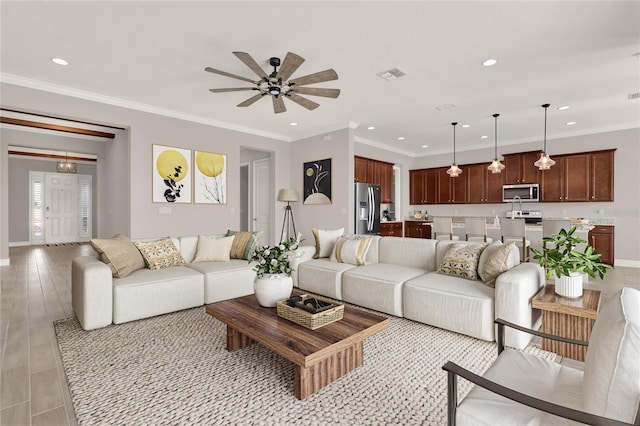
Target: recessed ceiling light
{"x":425,"y":146}
{"x":490,"y":62}
{"x":571,"y":123}
{"x":563,"y":107}
{"x":371,"y":128}
{"x":466,"y":126}
{"x":59,"y":61}
{"x":293,"y":124}
{"x":401,"y":138}
{"x":484,"y":137}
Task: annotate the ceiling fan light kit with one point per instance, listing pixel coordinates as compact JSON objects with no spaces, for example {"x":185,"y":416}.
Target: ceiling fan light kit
{"x":277,"y":84}
{"x":544,"y":162}
{"x":496,"y":166}
{"x":454,"y":170}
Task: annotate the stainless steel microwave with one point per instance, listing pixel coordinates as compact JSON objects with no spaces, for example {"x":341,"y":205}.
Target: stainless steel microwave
{"x":528,"y":192}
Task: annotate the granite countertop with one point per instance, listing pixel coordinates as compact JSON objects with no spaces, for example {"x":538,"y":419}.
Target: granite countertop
{"x":582,"y":223}
{"x":390,"y":221}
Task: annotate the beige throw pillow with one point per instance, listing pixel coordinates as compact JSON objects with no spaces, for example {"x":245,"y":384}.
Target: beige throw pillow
{"x":244,"y":243}
{"x":212,"y":249}
{"x":160,"y":254}
{"x":120,"y":254}
{"x":494,"y":261}
{"x":325,"y":240}
{"x":462,"y":261}
{"x":351,"y":250}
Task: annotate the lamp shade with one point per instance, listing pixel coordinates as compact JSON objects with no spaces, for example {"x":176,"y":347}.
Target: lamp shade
{"x":287,"y":194}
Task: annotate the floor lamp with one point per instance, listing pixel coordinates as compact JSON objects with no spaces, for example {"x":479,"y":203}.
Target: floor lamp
{"x":288,"y":195}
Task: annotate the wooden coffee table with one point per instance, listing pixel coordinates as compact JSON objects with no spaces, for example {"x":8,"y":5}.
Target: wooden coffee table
{"x":320,"y":356}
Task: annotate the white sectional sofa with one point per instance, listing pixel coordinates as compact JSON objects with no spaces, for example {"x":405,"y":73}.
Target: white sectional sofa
{"x":100,"y":299}
{"x":400,"y":278}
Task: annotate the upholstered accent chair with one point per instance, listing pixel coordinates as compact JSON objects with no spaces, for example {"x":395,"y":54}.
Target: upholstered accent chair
{"x":523,"y":389}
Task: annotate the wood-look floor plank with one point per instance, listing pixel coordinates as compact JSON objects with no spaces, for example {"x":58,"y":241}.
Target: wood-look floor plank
{"x":18,"y":415}
{"x":45,"y":391}
{"x":55,"y":417}
{"x":14,"y":386}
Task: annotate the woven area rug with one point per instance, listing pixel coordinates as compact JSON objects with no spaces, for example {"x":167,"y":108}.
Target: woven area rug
{"x":174,"y":369}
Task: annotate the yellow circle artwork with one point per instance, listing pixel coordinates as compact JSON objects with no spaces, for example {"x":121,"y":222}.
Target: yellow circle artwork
{"x":310,"y":171}
{"x":210,"y":164}
{"x":167,"y":163}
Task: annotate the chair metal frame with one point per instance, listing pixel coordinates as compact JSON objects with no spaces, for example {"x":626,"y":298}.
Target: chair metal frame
{"x":454,"y":370}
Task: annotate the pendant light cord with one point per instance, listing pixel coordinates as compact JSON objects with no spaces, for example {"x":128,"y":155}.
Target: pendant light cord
{"x":545,"y":106}
{"x":495,"y":145}
{"x":454,"y":142}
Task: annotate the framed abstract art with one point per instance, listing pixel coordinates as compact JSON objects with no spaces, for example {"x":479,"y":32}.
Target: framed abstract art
{"x":210,"y":178}
{"x":317,"y":182}
{"x":171,"y":180}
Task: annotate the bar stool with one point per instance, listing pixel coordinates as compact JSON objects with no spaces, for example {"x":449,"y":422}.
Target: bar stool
{"x":513,"y":230}
{"x":476,"y":229}
{"x":553,"y":226}
{"x":443,"y":229}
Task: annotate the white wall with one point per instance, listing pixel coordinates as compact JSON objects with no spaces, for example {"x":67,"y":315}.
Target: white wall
{"x":625,"y":210}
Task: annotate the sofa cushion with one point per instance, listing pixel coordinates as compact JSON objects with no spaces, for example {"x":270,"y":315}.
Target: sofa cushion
{"x":226,"y":280}
{"x":495,"y":259}
{"x":120,"y":254}
{"x":160,"y":253}
{"x":213,"y":249}
{"x":461,"y":261}
{"x":351,"y":250}
{"x":612,"y":370}
{"x":322,"y":276}
{"x":410,"y":252}
{"x":244,"y":244}
{"x":325,"y":241}
{"x":451,"y":303}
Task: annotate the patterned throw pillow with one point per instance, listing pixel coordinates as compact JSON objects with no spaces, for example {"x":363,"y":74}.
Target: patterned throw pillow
{"x":160,"y":254}
{"x":120,"y":254}
{"x":212,"y":249}
{"x":462,"y":261}
{"x":244,"y":243}
{"x":494,"y":260}
{"x":351,"y":250}
{"x":325,"y":241}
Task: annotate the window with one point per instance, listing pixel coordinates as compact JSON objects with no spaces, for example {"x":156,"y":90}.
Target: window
{"x":84,"y":191}
{"x":36,"y":211}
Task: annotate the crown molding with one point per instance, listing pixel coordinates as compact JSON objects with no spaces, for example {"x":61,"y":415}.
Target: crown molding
{"x":364,"y":141}
{"x":124,"y":103}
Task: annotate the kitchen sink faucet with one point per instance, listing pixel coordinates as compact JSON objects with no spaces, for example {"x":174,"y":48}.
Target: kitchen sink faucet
{"x":513,"y":202}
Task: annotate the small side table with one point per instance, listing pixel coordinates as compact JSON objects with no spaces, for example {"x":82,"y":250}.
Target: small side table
{"x":565,"y":317}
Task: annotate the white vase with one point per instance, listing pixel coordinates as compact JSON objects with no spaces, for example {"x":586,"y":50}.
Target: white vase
{"x":570,"y":286}
{"x":272,"y":288}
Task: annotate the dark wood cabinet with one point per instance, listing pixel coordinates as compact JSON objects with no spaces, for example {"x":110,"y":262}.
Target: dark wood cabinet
{"x":579,"y":177}
{"x":417,"y":229}
{"x":452,"y":190}
{"x":551,"y":182}
{"x":391,"y":229}
{"x":423,"y":186}
{"x":482,"y":185}
{"x":602,"y":175}
{"x":367,"y":170}
{"x":576,"y":177}
{"x":519,"y":168}
{"x":601,"y":237}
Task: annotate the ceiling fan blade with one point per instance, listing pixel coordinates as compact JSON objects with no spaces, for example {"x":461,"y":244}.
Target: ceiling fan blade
{"x":278,"y":104}
{"x":289,"y":66}
{"x":251,"y":63}
{"x":250,"y":101}
{"x":307,"y":103}
{"x":231,"y":89}
{"x":319,"y":77}
{"x":316,"y":91}
{"x":226,"y":74}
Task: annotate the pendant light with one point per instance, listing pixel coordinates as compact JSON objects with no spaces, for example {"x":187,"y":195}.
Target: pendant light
{"x":454,"y":170}
{"x":544,"y":162}
{"x":496,"y":166}
{"x":65,"y":166}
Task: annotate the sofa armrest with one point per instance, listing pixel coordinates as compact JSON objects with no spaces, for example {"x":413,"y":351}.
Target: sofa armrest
{"x":514,"y":291}
{"x":91,"y":292}
{"x":303,"y":254}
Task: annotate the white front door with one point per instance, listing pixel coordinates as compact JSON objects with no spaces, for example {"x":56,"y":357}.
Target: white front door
{"x":261,"y":197}
{"x":61,"y":208}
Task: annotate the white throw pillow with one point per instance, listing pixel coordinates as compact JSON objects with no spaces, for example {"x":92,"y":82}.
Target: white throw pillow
{"x":212,"y":249}
{"x":351,"y":250}
{"x":611,"y":385}
{"x":325,"y":240}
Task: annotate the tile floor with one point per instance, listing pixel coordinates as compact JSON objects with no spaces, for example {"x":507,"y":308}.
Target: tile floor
{"x":35,"y":290}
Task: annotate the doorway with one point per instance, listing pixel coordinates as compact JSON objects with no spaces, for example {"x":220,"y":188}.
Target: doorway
{"x":256,"y":192}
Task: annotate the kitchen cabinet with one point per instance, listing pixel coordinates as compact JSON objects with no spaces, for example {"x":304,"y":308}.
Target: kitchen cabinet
{"x":482,"y":185}
{"x":417,"y":229}
{"x":551,"y":182}
{"x":391,"y":229}
{"x":452,"y":190}
{"x":423,"y":186}
{"x":519,"y":168}
{"x":602,"y":175}
{"x":367,"y":170}
{"x":601,"y":237}
{"x":568,"y":180}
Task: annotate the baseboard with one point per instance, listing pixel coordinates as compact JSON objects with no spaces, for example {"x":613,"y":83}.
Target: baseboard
{"x":4,"y":262}
{"x":627,"y":263}
{"x":20,"y":243}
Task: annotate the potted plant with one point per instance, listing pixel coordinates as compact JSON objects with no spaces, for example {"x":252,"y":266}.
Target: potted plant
{"x":560,"y":258}
{"x":273,"y":271}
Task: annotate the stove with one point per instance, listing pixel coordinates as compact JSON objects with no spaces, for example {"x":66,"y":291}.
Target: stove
{"x":529,"y":216}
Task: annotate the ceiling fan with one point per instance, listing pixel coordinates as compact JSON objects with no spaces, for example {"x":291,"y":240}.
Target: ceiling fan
{"x":277,"y":84}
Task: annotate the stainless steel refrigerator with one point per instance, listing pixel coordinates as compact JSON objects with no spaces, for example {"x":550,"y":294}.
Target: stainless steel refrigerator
{"x":367,"y":197}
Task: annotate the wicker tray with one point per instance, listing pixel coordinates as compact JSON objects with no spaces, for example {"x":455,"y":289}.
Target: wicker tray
{"x":307,"y":319}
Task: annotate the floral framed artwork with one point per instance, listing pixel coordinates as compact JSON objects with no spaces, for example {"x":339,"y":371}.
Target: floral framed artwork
{"x":171,"y":181}
{"x":210,"y":178}
{"x":317,"y":182}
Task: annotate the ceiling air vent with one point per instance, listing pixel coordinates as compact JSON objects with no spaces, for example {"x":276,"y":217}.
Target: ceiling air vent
{"x":391,"y":74}
{"x":633,"y":96}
